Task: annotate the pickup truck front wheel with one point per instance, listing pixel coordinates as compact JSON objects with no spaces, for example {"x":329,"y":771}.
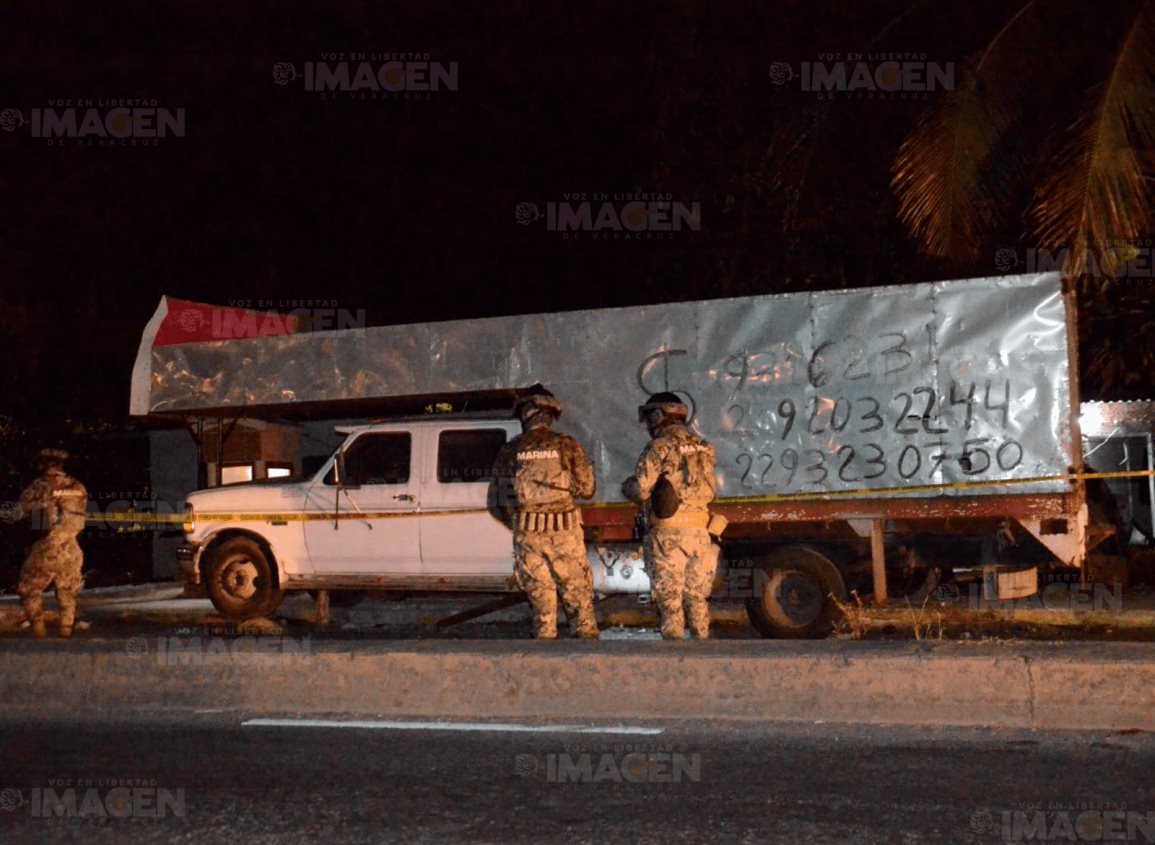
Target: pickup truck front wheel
{"x":792,"y":592}
{"x":241,"y":581}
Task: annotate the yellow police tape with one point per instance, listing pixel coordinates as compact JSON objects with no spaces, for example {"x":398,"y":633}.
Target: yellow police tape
{"x":145,"y":518}
{"x":921,"y":488}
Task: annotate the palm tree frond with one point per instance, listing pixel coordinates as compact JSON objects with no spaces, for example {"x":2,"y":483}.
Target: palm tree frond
{"x":1096,"y":198}
{"x":792,"y":152}
{"x":942,"y":175}
{"x":943,"y":199}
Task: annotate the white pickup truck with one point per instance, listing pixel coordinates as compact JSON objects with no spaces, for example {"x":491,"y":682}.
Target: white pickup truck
{"x":402,"y":505}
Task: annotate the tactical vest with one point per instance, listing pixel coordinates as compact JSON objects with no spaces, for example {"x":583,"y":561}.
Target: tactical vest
{"x":540,"y":478}
{"x":693,"y":477}
{"x":71,"y":502}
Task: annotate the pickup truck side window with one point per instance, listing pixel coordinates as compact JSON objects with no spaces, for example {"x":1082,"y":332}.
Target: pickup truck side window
{"x":468,"y":456}
{"x":381,"y":458}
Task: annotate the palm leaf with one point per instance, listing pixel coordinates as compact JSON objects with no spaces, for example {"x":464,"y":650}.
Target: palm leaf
{"x":791,"y":152}
{"x":1097,"y":198}
{"x":789,"y":155}
{"x":948,"y":197}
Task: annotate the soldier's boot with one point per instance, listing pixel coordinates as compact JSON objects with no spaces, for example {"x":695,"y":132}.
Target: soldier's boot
{"x":672,"y":632}
{"x":700,"y":625}
{"x":34,"y":611}
{"x":585,"y":622}
{"x":672,"y":615}
{"x":67,"y":601}
{"x":699,"y":617}
{"x":544,"y":604}
{"x":673,"y":624}
{"x":587,"y":627}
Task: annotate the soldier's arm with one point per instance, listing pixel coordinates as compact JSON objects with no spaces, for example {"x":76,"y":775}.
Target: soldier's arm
{"x":581,"y":471}
{"x":33,"y":497}
{"x":713,"y":474}
{"x":649,"y":469}
{"x":500,"y":500}
{"x":503,"y":464}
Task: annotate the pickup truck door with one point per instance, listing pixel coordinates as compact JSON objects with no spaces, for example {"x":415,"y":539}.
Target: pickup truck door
{"x":458,"y":534}
{"x":376,"y":525}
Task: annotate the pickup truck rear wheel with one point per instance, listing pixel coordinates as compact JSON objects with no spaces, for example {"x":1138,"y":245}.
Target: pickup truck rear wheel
{"x":241,"y":581}
{"x":792,"y":595}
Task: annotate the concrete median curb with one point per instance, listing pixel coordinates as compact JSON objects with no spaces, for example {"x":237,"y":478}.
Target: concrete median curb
{"x":1047,"y":686}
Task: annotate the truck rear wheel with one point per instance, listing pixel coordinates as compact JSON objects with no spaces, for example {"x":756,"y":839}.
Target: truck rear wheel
{"x":792,"y":595}
{"x":241,"y":581}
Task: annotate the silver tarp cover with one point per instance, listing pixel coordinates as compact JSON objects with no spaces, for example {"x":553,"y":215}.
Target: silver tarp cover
{"x":913,"y":386}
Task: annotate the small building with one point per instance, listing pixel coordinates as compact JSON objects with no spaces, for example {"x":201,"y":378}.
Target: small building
{"x":1117,"y":438}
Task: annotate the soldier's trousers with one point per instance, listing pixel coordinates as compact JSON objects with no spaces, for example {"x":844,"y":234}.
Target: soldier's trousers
{"x":682,"y":563}
{"x":547,"y":562}
{"x":57,"y":559}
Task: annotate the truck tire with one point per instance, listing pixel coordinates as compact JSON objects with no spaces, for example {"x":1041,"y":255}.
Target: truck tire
{"x":792,"y":595}
{"x":241,"y":580}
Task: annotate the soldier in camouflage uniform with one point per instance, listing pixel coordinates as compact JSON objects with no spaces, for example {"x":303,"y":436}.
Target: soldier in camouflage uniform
{"x":540,"y":472}
{"x":55,"y":505}
{"x":674,"y":481}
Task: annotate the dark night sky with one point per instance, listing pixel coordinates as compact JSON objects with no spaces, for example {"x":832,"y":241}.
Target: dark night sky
{"x":406,"y":209}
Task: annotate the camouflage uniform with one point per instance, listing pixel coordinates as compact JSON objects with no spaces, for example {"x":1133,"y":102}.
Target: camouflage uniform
{"x":547,"y":471}
{"x":55,"y":505}
{"x":679,"y":554}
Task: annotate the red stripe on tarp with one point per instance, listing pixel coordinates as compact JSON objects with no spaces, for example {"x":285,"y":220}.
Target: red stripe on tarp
{"x":197,"y":322}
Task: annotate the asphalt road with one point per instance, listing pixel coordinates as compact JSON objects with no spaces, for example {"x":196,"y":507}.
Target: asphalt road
{"x":212,"y":779}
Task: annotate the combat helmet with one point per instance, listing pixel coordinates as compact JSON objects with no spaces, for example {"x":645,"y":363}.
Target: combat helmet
{"x":538,"y":408}
{"x":51,"y":458}
{"x":661,"y":408}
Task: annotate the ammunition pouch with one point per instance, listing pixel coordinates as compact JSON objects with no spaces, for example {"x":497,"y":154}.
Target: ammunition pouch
{"x":664,"y":500}
{"x":538,"y":522}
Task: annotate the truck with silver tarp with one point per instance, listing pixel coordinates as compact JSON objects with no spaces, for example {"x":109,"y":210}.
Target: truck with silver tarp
{"x":875,"y":440}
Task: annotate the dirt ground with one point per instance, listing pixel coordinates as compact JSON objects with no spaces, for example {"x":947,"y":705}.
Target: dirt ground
{"x":1060,"y":611}
{"x":1063,"y":611}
